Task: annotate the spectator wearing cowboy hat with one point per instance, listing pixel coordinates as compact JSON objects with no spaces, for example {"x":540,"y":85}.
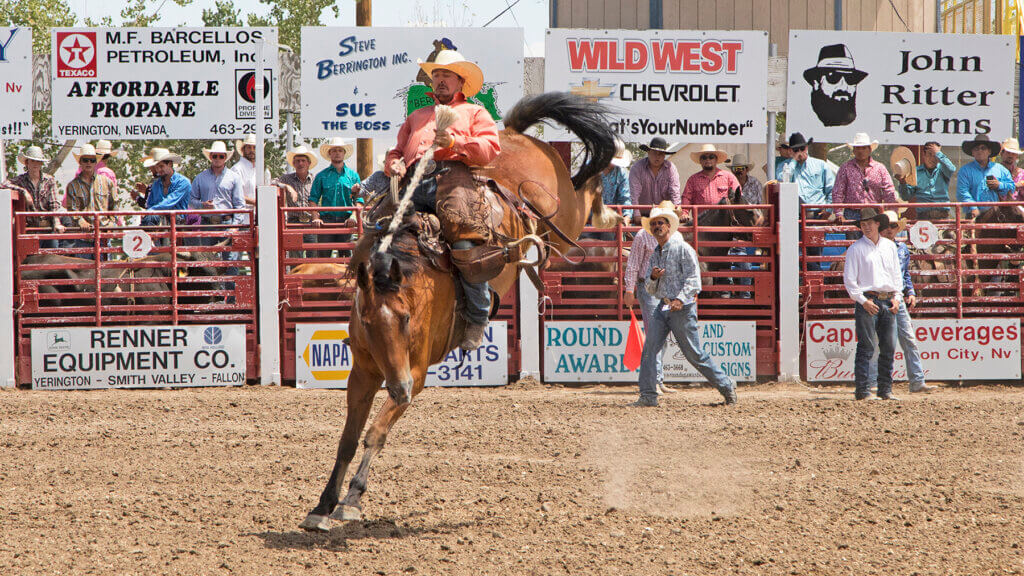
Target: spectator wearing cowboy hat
{"x":874,"y":281}
{"x":38,"y":192}
{"x":246,"y":167}
{"x":170,"y":190}
{"x":104,"y":149}
{"x":929,"y":181}
{"x":673,"y":278}
{"x":91,"y":192}
{"x":297,"y":186}
{"x":709,"y":185}
{"x":812,"y":174}
{"x":904,"y":328}
{"x":654,"y":179}
{"x":752,"y":192}
{"x":982,"y":180}
{"x":782,"y":153}
{"x":615,"y":187}
{"x":332,"y":187}
{"x":1008,"y":157}
{"x":862,"y":179}
{"x":218,"y":188}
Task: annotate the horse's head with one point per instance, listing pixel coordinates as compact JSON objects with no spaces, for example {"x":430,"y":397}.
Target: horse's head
{"x":747,"y":217}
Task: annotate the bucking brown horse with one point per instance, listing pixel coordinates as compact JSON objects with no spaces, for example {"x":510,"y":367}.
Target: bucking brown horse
{"x":404,"y":314}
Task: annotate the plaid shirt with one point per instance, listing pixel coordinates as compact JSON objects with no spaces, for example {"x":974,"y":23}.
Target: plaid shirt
{"x":681,"y":280}
{"x":849,"y":186}
{"x":646,"y":188}
{"x":302,"y":189}
{"x":99,"y":196}
{"x":45,"y":198}
{"x":703,"y":190}
{"x":639,"y":253}
{"x":753,"y":191}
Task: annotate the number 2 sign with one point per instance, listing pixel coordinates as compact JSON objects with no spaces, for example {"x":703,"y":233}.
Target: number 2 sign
{"x":137,"y":243}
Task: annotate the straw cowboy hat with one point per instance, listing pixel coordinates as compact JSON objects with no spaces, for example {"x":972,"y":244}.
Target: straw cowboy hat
{"x":872,"y":213}
{"x":104,"y":147}
{"x":336,"y":142}
{"x":1012,"y":146}
{"x":904,"y":164}
{"x":218,"y":147}
{"x":666,"y":210}
{"x":708,"y":149}
{"x":862,"y":139}
{"x":969,"y":145}
{"x":32,"y":153}
{"x":472,"y":76}
{"x":739,"y":160}
{"x":895,"y":219}
{"x":623,"y":158}
{"x":659,"y":144}
{"x":250,"y":140}
{"x":302,"y":150}
{"x":88,"y":151}
{"x":158,"y":155}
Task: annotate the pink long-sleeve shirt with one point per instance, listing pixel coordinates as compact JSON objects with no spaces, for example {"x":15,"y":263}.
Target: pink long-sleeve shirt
{"x":474,"y":133}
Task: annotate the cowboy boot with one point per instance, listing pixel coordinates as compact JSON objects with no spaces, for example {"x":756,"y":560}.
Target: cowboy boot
{"x":473,"y":337}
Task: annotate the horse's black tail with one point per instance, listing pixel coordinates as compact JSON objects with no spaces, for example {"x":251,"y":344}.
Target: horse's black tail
{"x":587,"y":120}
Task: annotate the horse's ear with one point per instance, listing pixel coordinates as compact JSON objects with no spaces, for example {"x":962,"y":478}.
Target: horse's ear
{"x":363,"y":277}
{"x":395,"y":272}
{"x":736,"y":196}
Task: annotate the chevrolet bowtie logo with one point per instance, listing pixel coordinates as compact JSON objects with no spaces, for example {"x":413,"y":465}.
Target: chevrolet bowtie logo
{"x":592,"y":90}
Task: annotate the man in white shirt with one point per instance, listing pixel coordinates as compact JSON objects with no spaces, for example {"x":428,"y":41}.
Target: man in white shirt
{"x":874,"y":280}
{"x":246,"y":168}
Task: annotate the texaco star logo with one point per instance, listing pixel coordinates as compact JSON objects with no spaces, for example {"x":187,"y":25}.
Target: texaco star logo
{"x":76,"y":54}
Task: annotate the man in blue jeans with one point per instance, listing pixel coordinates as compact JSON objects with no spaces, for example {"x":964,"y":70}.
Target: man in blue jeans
{"x":874,"y":282}
{"x":673,"y":278}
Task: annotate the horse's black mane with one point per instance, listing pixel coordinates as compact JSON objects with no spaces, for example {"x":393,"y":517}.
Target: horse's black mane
{"x":404,"y":250}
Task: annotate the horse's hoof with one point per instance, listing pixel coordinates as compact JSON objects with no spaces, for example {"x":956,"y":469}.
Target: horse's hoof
{"x":316,"y":523}
{"x":347,"y":513}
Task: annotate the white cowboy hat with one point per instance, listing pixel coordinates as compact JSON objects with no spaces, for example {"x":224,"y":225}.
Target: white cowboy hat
{"x":1011,"y":145}
{"x":158,"y":155}
{"x":904,"y":164}
{"x":88,"y":151}
{"x":708,"y":149}
{"x":472,"y":76}
{"x":302,"y":150}
{"x":250,"y":140}
{"x":896,"y":220}
{"x":862,"y":139}
{"x":104,"y":147}
{"x":623,"y":157}
{"x":336,"y":142}
{"x":32,"y":153}
{"x":218,"y":147}
{"x":665,"y":210}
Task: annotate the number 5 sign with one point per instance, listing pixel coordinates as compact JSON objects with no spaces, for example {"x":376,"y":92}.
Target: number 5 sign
{"x":924,"y":234}
{"x":137,"y":243}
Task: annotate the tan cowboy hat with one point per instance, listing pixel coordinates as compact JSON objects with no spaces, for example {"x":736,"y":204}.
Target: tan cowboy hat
{"x":158,"y":155}
{"x":623,"y":157}
{"x":707,"y":149}
{"x":302,"y":150}
{"x":738,"y":160}
{"x":104,"y":147}
{"x":969,"y":145}
{"x":218,"y":147}
{"x":666,"y":210}
{"x":472,"y":76}
{"x":32,"y":153}
{"x":88,"y":151}
{"x":250,"y":140}
{"x":1011,"y":145}
{"x":872,"y":213}
{"x":862,"y":139}
{"x":904,"y":164}
{"x":336,"y":142}
{"x":895,"y":219}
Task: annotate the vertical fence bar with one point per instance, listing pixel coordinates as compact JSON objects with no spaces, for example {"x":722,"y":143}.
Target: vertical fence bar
{"x":789,"y":281}
{"x":7,"y":342}
{"x":530,"y":335}
{"x":270,"y":335}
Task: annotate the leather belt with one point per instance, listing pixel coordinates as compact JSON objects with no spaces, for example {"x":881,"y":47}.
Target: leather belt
{"x":880,"y":295}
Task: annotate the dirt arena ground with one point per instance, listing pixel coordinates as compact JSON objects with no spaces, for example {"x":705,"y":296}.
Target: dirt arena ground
{"x":522,"y":480}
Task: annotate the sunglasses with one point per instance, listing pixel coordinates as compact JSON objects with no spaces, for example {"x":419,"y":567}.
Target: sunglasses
{"x":835,"y":77}
{"x":709,"y":156}
{"x":739,"y":169}
{"x":218,"y":156}
{"x":658,"y":223}
{"x":799,"y":149}
{"x":87,"y":161}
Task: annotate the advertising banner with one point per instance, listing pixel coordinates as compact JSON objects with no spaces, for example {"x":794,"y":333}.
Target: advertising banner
{"x":324,"y":360}
{"x":15,"y":83}
{"x":684,"y":85}
{"x":149,"y":83}
{"x":899,"y":88}
{"x":592,"y":352}
{"x":951,"y":349}
{"x":83,"y":358}
{"x":363,"y":82}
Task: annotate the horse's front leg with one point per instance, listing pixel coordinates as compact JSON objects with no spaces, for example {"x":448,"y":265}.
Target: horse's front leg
{"x":362,"y":387}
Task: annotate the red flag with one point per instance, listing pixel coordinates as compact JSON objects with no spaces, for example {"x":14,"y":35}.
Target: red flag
{"x":634,"y":344}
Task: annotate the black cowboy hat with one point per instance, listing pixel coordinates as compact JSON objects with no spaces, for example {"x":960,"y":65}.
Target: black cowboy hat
{"x":659,"y":144}
{"x":835,"y":59}
{"x":872,"y":213}
{"x":796,"y":140}
{"x":969,"y":145}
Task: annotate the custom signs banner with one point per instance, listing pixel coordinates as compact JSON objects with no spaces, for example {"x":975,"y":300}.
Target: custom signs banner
{"x":967,"y":349}
{"x":689,"y":85}
{"x":899,"y":88}
{"x":363,"y":82}
{"x":83,"y":358}
{"x":324,"y":360}
{"x":148,"y":83}
{"x":593,"y":351}
{"x":15,"y":83}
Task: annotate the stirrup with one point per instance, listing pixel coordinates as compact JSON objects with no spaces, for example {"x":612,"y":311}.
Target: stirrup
{"x":536,"y":241}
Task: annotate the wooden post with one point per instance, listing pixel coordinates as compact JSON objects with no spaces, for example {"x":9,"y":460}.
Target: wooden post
{"x":364,"y":146}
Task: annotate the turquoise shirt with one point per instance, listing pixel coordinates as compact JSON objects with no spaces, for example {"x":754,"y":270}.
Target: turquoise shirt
{"x":932,"y":185}
{"x":813,"y":176}
{"x":333,"y":188}
{"x":971,"y":184}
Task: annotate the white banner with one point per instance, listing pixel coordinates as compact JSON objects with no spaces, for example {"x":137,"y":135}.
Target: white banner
{"x":149,"y":83}
{"x":81,"y":358}
{"x":900,"y":88}
{"x":967,"y":349}
{"x":15,"y":83}
{"x":688,"y":85}
{"x":323,"y":360}
{"x":592,"y":352}
{"x":363,"y":82}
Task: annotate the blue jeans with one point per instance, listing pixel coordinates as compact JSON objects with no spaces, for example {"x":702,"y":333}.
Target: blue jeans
{"x":870,"y":329}
{"x":478,"y":301}
{"x":683,"y":325}
{"x":647,"y":305}
{"x":744,"y":266}
{"x":912,"y":356}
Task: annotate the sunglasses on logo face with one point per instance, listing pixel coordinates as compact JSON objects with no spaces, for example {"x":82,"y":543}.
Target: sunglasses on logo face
{"x":708,"y":156}
{"x":88,"y":161}
{"x":835,"y":77}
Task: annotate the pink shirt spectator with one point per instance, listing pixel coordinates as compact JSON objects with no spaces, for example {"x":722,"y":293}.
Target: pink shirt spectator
{"x":1018,"y":178}
{"x":639,"y":254}
{"x":647,"y":189}
{"x":849,"y":186}
{"x":102,"y":170}
{"x":701,"y":189}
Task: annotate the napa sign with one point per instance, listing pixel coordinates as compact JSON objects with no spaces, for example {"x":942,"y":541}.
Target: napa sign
{"x":593,"y":351}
